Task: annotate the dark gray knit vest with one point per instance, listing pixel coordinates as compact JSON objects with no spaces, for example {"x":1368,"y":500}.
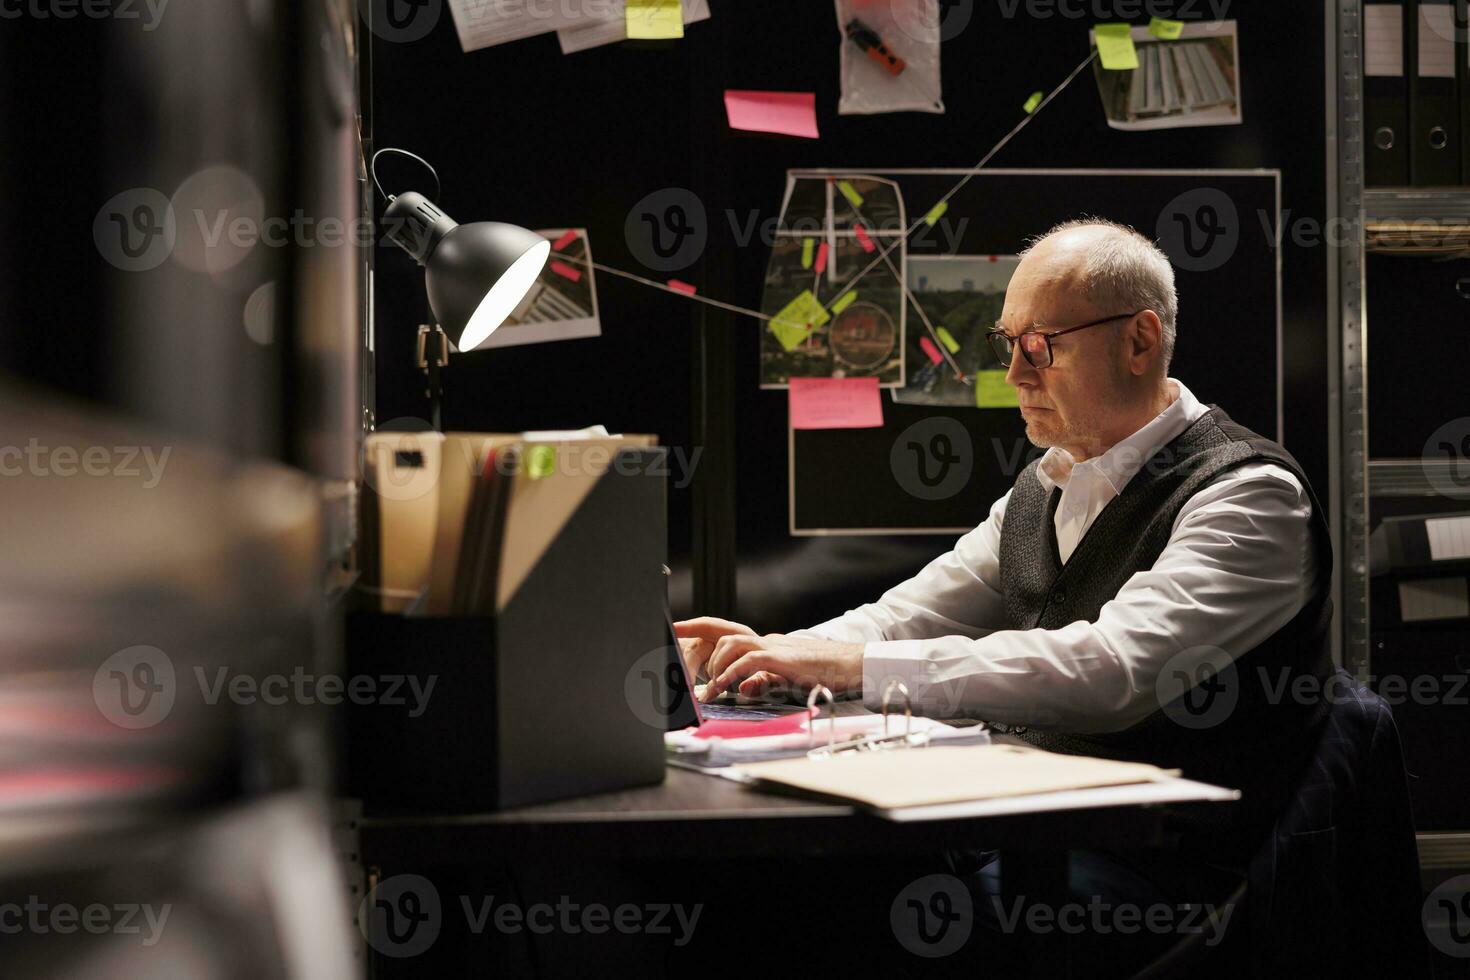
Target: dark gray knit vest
{"x":1259,"y":743}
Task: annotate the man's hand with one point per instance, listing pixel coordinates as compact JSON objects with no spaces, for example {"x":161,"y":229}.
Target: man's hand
{"x":697,"y":639}
{"x":752,"y":664}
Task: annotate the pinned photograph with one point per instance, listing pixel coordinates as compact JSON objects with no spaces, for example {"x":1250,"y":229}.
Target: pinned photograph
{"x":1193,"y":80}
{"x":962,"y":295}
{"x":562,"y":305}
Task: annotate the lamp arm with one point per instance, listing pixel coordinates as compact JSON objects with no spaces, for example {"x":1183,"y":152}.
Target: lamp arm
{"x":373,"y":169}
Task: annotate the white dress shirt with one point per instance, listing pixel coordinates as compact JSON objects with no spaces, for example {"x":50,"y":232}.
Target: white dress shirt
{"x":1237,"y":567}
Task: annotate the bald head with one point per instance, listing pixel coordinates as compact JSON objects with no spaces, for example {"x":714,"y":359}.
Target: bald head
{"x":1110,"y":265}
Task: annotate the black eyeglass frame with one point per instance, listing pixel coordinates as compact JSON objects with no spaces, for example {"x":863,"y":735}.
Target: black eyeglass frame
{"x":1005,"y":355}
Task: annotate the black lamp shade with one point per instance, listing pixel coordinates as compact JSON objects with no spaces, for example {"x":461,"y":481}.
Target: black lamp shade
{"x":475,"y":274}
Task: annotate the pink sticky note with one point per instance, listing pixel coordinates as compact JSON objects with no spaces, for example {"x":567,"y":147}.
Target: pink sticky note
{"x":862,"y":237}
{"x":788,"y":724}
{"x":682,"y":287}
{"x":821,"y":258}
{"x":566,"y":271}
{"x":835,"y":403}
{"x":789,"y":113}
{"x":931,"y":350}
{"x":564,"y":240}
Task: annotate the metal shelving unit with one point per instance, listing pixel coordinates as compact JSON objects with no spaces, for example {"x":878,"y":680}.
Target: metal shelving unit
{"x":1373,"y":219}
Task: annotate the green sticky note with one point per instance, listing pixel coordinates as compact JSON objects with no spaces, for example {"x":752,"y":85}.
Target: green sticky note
{"x":808,"y":245}
{"x":1115,"y":47}
{"x":935,"y":213}
{"x":850,"y":192}
{"x":1165,"y":30}
{"x":991,"y":391}
{"x":948,"y":340}
{"x":654,"y":19}
{"x":797,"y":318}
{"x":1031,"y":103}
{"x":540,"y":461}
{"x":844,"y":301}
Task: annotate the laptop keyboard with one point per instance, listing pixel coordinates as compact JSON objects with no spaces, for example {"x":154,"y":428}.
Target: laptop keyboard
{"x":731,"y":712}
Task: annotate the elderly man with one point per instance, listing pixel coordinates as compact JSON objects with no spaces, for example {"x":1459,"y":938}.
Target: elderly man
{"x":1149,"y":589}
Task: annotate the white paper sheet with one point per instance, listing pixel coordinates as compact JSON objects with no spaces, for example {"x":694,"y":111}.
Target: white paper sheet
{"x":1449,"y":538}
{"x":486,"y":23}
{"x":611,"y":32}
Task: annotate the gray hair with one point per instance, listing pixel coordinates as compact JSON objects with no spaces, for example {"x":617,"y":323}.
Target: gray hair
{"x":1125,"y":271}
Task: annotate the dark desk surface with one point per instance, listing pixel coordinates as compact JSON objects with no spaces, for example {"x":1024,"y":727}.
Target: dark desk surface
{"x":689,"y":810}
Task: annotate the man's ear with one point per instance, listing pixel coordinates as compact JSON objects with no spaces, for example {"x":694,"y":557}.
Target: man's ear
{"x":1145,"y":342}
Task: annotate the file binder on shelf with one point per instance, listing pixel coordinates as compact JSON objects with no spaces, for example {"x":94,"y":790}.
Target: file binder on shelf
{"x":527,"y":699}
{"x":1385,"y":94}
{"x":1434,"y":112}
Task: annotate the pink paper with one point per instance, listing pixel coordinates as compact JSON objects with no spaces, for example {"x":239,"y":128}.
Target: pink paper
{"x":931,"y":350}
{"x":788,"y":113}
{"x":821,"y":258}
{"x":835,"y":403}
{"x":566,"y":271}
{"x":564,"y":240}
{"x":862,"y":237}
{"x":682,"y":287}
{"x":788,"y":724}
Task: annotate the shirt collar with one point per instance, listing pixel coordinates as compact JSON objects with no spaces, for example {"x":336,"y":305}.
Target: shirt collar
{"x":1119,"y":464}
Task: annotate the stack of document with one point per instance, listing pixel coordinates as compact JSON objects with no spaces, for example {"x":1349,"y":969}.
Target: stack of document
{"x":948,"y":782}
{"x":454,"y":522}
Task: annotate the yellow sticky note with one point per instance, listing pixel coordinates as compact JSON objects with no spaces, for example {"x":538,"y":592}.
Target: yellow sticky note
{"x":850,"y":192}
{"x":540,"y":461}
{"x":991,"y":391}
{"x":1031,"y":103}
{"x":844,"y":301}
{"x":797,"y":318}
{"x":948,"y":340}
{"x":1115,"y":47}
{"x":935,"y":213}
{"x":654,"y":19}
{"x":808,"y":245}
{"x":1165,"y":30}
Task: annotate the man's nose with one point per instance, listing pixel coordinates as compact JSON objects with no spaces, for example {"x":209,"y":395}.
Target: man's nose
{"x":1020,"y":370}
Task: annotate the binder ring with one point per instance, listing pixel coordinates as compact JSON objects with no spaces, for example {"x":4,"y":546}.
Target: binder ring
{"x":811,"y":714}
{"x":908,"y":707}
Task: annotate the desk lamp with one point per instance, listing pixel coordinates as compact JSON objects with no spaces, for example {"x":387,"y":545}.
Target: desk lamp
{"x":475,"y":274}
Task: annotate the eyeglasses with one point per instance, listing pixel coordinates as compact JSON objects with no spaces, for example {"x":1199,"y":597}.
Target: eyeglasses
{"x":1035,"y":345}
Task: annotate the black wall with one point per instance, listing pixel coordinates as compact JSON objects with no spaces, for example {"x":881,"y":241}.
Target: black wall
{"x":522,"y":133}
